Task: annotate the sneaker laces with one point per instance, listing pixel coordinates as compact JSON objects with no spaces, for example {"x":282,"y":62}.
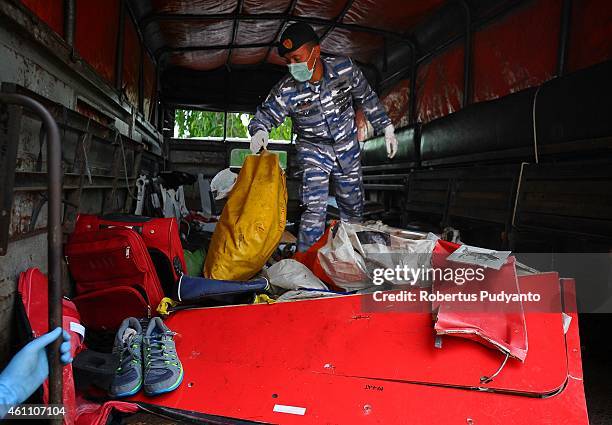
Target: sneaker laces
{"x":157,"y":357}
{"x":129,"y":353}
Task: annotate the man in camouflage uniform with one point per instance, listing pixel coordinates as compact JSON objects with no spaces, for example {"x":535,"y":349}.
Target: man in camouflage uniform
{"x":320,"y":94}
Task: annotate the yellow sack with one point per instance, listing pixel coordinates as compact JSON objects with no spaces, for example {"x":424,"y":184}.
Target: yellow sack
{"x":252,"y":221}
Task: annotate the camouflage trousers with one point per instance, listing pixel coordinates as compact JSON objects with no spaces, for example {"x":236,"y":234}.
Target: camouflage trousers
{"x":319,"y":165}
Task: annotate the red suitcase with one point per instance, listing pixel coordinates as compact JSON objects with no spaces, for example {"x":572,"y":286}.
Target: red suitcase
{"x":160,"y":235}
{"x":115,"y":277}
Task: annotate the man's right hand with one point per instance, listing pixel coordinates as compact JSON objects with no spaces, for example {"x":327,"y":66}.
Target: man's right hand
{"x":259,"y":140}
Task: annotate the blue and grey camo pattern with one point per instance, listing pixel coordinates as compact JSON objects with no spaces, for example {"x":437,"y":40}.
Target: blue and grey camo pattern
{"x":319,"y":164}
{"x":323,"y":116}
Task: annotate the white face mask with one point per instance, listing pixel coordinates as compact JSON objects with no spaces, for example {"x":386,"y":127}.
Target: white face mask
{"x":300,"y":70}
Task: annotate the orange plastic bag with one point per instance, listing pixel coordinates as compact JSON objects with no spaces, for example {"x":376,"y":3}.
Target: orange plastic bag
{"x":252,"y":221}
{"x":311,"y":260}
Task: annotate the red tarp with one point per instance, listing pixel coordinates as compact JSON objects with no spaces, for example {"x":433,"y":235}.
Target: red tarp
{"x":439,"y":84}
{"x":516,"y":52}
{"x":590,"y":33}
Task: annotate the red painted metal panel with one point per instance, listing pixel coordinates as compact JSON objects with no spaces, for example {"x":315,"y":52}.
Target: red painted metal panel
{"x":252,"y":358}
{"x":50,"y":11}
{"x":325,"y":332}
{"x":439,"y":85}
{"x":590,"y":33}
{"x":502,"y":330}
{"x":149,"y":86}
{"x":517,"y":52}
{"x":96,"y":35}
{"x":131,"y":62}
{"x":326,"y":340}
{"x":251,"y":394}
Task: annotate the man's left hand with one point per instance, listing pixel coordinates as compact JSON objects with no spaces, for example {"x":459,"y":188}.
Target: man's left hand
{"x":390,"y":141}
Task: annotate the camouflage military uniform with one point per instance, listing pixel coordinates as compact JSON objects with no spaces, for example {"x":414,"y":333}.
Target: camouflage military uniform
{"x":324,"y":121}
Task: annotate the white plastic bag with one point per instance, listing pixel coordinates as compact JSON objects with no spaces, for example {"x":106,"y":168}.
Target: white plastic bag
{"x":291,"y":274}
{"x":353,"y":253}
{"x":222,"y":183}
{"x":345,"y":266}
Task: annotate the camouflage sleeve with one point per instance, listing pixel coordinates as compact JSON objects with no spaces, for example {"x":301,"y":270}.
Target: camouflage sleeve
{"x":271,"y":113}
{"x":365,"y":97}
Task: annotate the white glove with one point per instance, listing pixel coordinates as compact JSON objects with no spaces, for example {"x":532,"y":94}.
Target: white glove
{"x":259,"y":140}
{"x":390,"y":140}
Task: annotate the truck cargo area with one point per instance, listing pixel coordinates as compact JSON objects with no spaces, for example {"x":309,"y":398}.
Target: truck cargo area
{"x":127,"y":183}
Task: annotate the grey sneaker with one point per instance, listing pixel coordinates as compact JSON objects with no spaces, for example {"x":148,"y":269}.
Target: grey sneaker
{"x":128,"y":348}
{"x":163,"y":371}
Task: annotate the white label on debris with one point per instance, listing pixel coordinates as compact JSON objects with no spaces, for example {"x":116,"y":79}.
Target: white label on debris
{"x":479,"y":256}
{"x":78,"y":328}
{"x":293,"y":410}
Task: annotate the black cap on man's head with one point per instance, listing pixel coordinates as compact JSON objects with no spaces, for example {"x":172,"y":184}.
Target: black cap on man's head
{"x":295,"y":36}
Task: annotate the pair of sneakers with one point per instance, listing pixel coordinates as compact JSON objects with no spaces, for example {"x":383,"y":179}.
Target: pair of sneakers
{"x":146,"y":359}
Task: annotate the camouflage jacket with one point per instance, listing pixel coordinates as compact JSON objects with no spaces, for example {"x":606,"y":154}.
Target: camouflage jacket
{"x":324,"y":112}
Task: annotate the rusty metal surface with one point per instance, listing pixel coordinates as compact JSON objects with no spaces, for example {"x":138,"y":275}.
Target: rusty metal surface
{"x":88,"y":167}
{"x":10,"y":124}
{"x":36,"y":58}
{"x":54,"y":234}
{"x":58,"y":73}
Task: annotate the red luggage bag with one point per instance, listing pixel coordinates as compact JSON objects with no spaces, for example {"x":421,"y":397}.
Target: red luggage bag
{"x":115,"y":277}
{"x":160,"y":235}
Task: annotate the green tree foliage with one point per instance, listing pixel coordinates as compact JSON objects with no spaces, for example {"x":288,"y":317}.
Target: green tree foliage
{"x":210,"y":124}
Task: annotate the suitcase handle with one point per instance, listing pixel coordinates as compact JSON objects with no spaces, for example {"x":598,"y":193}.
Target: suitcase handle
{"x":128,"y":218}
{"x":137,"y":229}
